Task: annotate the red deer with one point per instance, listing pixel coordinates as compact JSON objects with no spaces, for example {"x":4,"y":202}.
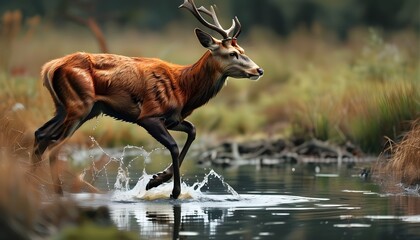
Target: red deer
{"x":152,"y":93}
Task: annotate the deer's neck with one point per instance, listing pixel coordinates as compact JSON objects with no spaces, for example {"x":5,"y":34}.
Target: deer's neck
{"x":201,"y":81}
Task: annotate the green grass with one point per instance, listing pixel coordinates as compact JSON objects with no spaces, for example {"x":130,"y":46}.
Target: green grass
{"x":386,"y":116}
{"x":89,"y":231}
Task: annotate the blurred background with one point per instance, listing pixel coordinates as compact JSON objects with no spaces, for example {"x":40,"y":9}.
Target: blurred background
{"x":342,"y":71}
{"x":280,"y":16}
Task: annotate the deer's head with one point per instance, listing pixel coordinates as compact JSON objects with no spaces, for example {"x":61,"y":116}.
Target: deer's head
{"x":231,"y":57}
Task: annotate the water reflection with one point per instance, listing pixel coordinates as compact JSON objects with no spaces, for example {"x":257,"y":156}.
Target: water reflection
{"x":153,"y":220}
{"x":212,"y":217}
{"x":161,"y":221}
{"x":338,"y":208}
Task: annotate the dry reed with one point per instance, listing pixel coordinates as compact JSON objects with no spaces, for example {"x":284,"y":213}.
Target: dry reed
{"x":405,"y":161}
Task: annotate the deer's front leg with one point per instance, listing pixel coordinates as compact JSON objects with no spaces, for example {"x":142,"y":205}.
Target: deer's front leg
{"x":156,"y":128}
{"x":166,"y":174}
{"x":188,"y":128}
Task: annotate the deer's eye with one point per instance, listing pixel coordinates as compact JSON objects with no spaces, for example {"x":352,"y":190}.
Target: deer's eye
{"x":233,"y":54}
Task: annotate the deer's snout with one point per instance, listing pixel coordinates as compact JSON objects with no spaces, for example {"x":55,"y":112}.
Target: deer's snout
{"x":260,"y":71}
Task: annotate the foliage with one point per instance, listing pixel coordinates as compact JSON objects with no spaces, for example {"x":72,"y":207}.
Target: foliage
{"x":281,"y":16}
{"x":380,"y":61}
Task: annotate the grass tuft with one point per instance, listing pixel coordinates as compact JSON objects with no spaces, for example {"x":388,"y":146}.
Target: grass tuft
{"x":405,"y":163}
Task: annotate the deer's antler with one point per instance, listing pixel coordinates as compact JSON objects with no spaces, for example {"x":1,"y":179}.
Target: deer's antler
{"x":190,"y":5}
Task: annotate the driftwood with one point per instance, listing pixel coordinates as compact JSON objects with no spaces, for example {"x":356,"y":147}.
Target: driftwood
{"x":275,"y":152}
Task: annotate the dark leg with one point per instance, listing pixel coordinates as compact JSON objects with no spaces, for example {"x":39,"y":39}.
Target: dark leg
{"x":43,"y":138}
{"x":52,"y":135}
{"x":177,"y":221}
{"x":48,"y":137}
{"x":55,"y":169}
{"x":156,"y":128}
{"x":52,"y":138}
{"x":41,"y":143}
{"x":60,"y":136}
{"x":189,"y":129}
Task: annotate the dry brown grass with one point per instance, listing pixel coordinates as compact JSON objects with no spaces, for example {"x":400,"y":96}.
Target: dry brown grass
{"x":19,"y":202}
{"x":29,"y":209}
{"x":405,"y":161}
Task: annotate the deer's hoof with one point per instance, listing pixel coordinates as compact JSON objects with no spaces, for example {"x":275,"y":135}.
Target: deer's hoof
{"x":158,"y":179}
{"x":174,"y":195}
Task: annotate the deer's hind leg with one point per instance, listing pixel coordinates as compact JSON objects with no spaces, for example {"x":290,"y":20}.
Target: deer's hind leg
{"x":54,"y":135}
{"x":74,"y":100}
{"x":44,"y":137}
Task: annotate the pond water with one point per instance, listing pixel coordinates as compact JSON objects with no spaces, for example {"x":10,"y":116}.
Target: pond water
{"x":246,"y":201}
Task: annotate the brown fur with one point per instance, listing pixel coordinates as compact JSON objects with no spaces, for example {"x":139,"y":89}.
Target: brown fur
{"x":132,"y":88}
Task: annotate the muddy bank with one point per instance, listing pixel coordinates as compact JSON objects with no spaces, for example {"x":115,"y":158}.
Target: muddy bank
{"x":280,"y":151}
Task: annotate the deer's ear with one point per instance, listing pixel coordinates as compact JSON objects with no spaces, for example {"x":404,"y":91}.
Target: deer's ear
{"x":206,"y":40}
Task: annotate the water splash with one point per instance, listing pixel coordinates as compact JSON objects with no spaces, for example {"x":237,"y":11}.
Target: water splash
{"x":199,"y":185}
{"x":212,"y":182}
{"x":124,"y":159}
{"x":163,"y":191}
{"x":122,"y":180}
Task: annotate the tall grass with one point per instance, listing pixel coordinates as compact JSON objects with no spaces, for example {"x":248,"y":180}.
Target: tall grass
{"x":386,"y":115}
{"x":367,"y":117}
{"x":369,"y":99}
{"x":404,"y":163}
